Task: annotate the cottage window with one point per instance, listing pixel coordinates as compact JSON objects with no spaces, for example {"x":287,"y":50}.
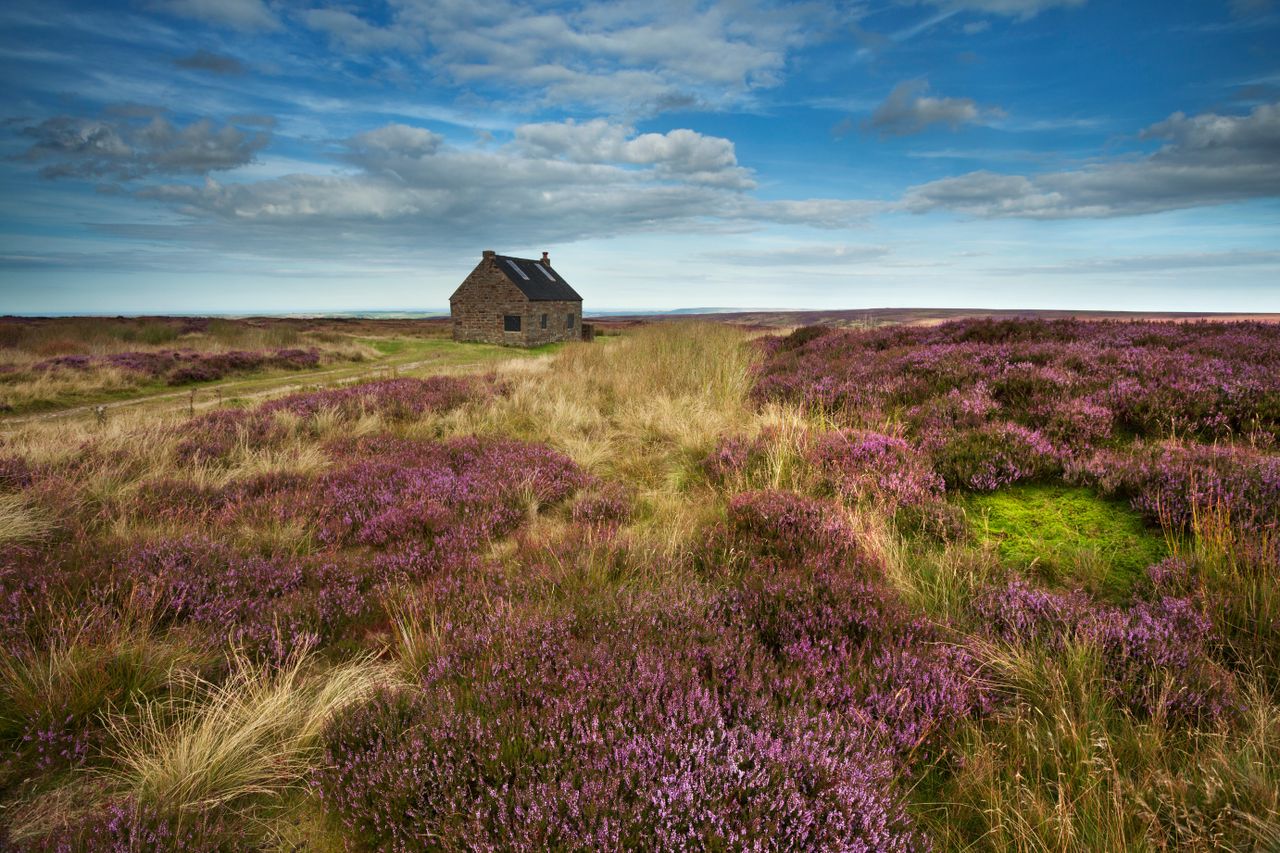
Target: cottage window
{"x":511,"y":323}
{"x":568,"y":323}
{"x":544,"y":321}
{"x":546,"y":272}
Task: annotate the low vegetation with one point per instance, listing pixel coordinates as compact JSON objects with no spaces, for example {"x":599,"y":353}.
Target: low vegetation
{"x":51,"y":363}
{"x":984,"y":586}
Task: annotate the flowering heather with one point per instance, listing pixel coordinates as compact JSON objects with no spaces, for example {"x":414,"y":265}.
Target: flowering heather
{"x":1207,"y":379}
{"x":237,"y":597}
{"x":732,"y":457}
{"x":214,"y":435}
{"x":649,"y":729}
{"x":392,"y":399}
{"x":605,"y":503}
{"x":179,"y":367}
{"x":455,"y":492}
{"x":992,"y":456}
{"x":1157,"y":653}
{"x":785,"y":529}
{"x":877,"y":467}
{"x":15,"y":473}
{"x":129,"y":827}
{"x":852,"y":646}
{"x":1175,"y":482}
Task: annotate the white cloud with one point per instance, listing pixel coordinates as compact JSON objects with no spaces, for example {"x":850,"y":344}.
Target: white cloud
{"x":401,"y":139}
{"x":610,"y":56}
{"x":1208,"y":159}
{"x":555,"y":182}
{"x":681,"y":152}
{"x":246,"y":15}
{"x":909,"y":110}
{"x":1022,"y":9}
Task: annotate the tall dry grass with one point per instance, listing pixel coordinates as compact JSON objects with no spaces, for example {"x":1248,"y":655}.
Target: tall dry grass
{"x":645,"y":408}
{"x":1063,"y":769}
{"x":249,"y":737}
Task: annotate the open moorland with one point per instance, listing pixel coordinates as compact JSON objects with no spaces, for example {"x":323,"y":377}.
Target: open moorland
{"x":52,"y":365}
{"x":994,"y":584}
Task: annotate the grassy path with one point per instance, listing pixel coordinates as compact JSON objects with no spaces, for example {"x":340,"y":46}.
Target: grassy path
{"x":401,"y":355}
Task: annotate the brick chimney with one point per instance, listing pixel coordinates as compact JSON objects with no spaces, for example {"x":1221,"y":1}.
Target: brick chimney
{"x":546,"y":259}
{"x":487,"y":254}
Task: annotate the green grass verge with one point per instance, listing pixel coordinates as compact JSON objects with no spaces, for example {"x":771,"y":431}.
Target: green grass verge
{"x":1065,"y":532}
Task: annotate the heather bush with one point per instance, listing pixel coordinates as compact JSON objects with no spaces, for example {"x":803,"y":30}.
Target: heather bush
{"x":854,"y":648}
{"x":178,"y":367}
{"x":216,"y":434}
{"x":238,"y":598}
{"x":1173,"y":483}
{"x":603,"y":503}
{"x":993,"y":456}
{"x":731,"y":459}
{"x":1157,"y":653}
{"x":640,"y":730}
{"x":454,"y":493}
{"x":15,"y":473}
{"x":875,"y":467}
{"x":126,"y":826}
{"x":392,"y":399}
{"x":784,"y":529}
{"x":1211,"y":380}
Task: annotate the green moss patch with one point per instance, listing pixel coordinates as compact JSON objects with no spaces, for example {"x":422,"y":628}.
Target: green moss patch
{"x":1063,"y":532}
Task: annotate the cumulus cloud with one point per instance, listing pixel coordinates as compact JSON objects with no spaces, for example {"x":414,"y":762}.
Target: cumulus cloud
{"x":1021,"y":9}
{"x":611,"y":56}
{"x":909,"y":110}
{"x":553,"y":182}
{"x":681,"y":152}
{"x":204,"y":60}
{"x":395,"y":139}
{"x":246,"y":15}
{"x":1206,"y":159}
{"x":71,"y":146}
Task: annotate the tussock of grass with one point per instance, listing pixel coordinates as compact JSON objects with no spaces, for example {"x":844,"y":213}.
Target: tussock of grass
{"x":250,"y":737}
{"x":1064,"y":769}
{"x":21,"y":521}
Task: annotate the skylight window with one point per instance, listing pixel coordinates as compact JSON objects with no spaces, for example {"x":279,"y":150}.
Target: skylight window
{"x":545,"y":272}
{"x":516,"y":267}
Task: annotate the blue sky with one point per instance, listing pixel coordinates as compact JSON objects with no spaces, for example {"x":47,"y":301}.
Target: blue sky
{"x":304,"y":155}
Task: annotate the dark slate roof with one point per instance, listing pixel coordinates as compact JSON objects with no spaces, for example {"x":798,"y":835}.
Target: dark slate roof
{"x":534,"y":283}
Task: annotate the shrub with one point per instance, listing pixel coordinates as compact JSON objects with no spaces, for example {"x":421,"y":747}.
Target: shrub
{"x":630,"y":731}
{"x":876,"y":467}
{"x":1156,"y":653}
{"x":783,"y":529}
{"x":990,"y":457}
{"x":606,"y":503}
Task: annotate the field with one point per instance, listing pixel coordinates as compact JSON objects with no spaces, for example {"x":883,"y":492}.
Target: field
{"x":52,"y":364}
{"x":995,"y":584}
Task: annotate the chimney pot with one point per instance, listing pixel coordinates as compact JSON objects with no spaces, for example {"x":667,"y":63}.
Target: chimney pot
{"x":546,"y":259}
{"x":488,"y":253}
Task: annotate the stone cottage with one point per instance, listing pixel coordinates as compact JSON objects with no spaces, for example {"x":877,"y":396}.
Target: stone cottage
{"x":515,"y":301}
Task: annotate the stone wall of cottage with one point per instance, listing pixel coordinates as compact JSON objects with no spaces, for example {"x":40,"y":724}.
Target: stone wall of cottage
{"x":485,"y":297}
